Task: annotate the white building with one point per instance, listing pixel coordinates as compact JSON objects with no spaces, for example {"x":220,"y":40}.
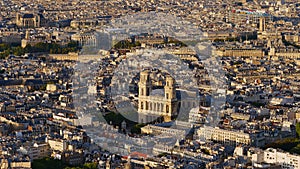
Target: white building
{"x":282,"y":100}
{"x":231,"y":137}
{"x":36,"y":151}
{"x":283,"y":159}
{"x":58,"y":144}
{"x":195,"y":117}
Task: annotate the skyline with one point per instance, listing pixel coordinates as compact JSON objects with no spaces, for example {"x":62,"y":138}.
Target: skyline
{"x":150,"y":84}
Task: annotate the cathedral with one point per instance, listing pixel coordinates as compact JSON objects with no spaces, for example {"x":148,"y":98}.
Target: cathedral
{"x":156,"y":103}
{"x":29,"y":20}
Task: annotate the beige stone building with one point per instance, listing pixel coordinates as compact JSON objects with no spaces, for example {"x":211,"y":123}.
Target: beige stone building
{"x":152,"y":129}
{"x":294,"y":38}
{"x":32,"y":41}
{"x":286,"y":53}
{"x":85,"y":38}
{"x":235,"y":52}
{"x":21,"y":164}
{"x":216,"y":35}
{"x":70,"y":56}
{"x":83,"y":23}
{"x":28,"y":20}
{"x":248,"y":16}
{"x":58,"y":144}
{"x":230,"y":137}
{"x":152,"y":105}
{"x":36,"y":151}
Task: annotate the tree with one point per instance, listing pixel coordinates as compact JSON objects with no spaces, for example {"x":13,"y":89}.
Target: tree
{"x":52,"y":48}
{"x":4,"y":54}
{"x":298,"y":129}
{"x":90,"y":166}
{"x":286,"y":144}
{"x":18,"y":51}
{"x":40,"y":47}
{"x":123,"y":44}
{"x":115,"y":118}
{"x":4,"y":47}
{"x":47,"y":163}
{"x":136,"y":129}
{"x":28,"y":48}
{"x":72,"y":44}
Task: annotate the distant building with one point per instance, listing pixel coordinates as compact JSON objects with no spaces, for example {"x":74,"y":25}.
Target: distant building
{"x":85,"y":38}
{"x":149,"y":40}
{"x":248,"y":16}
{"x":230,"y":137}
{"x":58,"y":144}
{"x":69,"y":56}
{"x":4,"y":163}
{"x":11,"y":38}
{"x":73,"y":157}
{"x":196,"y":118}
{"x":29,"y":20}
{"x":83,"y":23}
{"x":177,"y":130}
{"x":238,"y":52}
{"x":282,"y":100}
{"x":284,"y":159}
{"x":213,"y":35}
{"x":21,"y":164}
{"x":4,"y":129}
{"x":36,"y":151}
{"x":294,"y":38}
{"x":32,"y":41}
{"x":285,"y":53}
{"x":262,"y":24}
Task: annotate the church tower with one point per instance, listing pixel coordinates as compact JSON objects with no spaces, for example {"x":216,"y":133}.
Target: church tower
{"x":145,"y":85}
{"x":145,"y":88}
{"x":262,"y":24}
{"x":27,"y":35}
{"x":170,"y":97}
{"x":162,"y":103}
{"x":170,"y":88}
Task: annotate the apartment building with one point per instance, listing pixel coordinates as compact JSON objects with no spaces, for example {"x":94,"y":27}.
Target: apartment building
{"x":231,"y":137}
{"x":283,"y":159}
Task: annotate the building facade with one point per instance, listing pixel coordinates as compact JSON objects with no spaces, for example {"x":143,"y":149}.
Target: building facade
{"x":235,"y":52}
{"x":248,"y":16}
{"x":230,"y":137}
{"x":38,"y":151}
{"x":151,"y":106}
{"x":283,"y":159}
{"x":85,"y":38}
{"x":29,"y":20}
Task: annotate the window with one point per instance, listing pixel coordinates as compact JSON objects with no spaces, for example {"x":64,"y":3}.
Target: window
{"x":142,"y":105}
{"x":167,"y":95}
{"x":167,"y":108}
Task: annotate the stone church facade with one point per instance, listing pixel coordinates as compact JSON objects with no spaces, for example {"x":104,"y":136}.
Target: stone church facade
{"x":153,"y":104}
